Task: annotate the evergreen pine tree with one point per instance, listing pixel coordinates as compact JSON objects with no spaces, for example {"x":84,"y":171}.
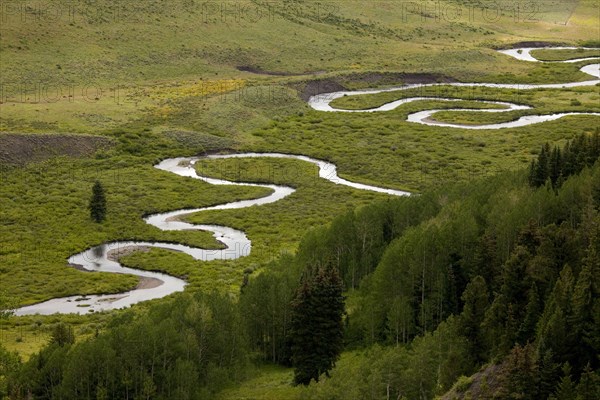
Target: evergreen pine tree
{"x":568,"y":163}
{"x":97,"y":204}
{"x":555,"y":166}
{"x":554,"y":332}
{"x":542,"y":171}
{"x":566,"y":388}
{"x":475,"y":298}
{"x":522,"y":370}
{"x":589,"y":385}
{"x":533,"y":173}
{"x":549,"y":372}
{"x":585,"y":306}
{"x":316,"y":333}
{"x":532,"y":315}
{"x":486,"y":260}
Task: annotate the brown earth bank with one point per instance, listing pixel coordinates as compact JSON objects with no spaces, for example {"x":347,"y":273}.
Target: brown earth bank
{"x":148,"y":283}
{"x":483,"y":384}
{"x":115,"y":254}
{"x":258,"y":71}
{"x":533,"y":43}
{"x":370,"y":79}
{"x":21,"y":149}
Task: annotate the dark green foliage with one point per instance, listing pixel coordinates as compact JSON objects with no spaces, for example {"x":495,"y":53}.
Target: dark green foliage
{"x":533,"y":311}
{"x":589,"y":385}
{"x":62,"y":335}
{"x":356,"y":241}
{"x":316,"y":333}
{"x":566,"y":387}
{"x":266,"y":305}
{"x":41,"y":376}
{"x":539,"y":311}
{"x":540,"y":169}
{"x":186,"y":348}
{"x":9,"y":364}
{"x":475,"y":299}
{"x":428,"y":367}
{"x":522,"y":372}
{"x":557,"y":165}
{"x":97,"y":204}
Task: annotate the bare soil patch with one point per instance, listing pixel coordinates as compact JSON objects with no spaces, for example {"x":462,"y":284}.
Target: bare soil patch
{"x":370,"y":79}
{"x":21,"y":149}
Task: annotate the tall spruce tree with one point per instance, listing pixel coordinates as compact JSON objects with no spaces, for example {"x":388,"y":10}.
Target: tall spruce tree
{"x":475,"y":298}
{"x":555,"y":165}
{"x":566,"y":387}
{"x":97,"y":204}
{"x":589,"y":385}
{"x":316,"y":333}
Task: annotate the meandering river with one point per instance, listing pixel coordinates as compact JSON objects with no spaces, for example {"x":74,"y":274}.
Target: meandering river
{"x":104,"y":258}
{"x":322,"y":102}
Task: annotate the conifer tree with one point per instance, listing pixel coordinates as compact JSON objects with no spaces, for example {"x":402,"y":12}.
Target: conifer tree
{"x":97,"y":204}
{"x":589,"y":385}
{"x":566,"y":388}
{"x":532,"y":315}
{"x":549,"y":372}
{"x":475,"y":298}
{"x":555,"y":166}
{"x":316,"y":333}
{"x":532,"y":173}
{"x":584,"y":303}
{"x":521,"y":368}
{"x":542,"y":171}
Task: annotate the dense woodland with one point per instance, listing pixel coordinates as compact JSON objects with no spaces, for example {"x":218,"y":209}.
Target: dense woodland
{"x":485,"y":289}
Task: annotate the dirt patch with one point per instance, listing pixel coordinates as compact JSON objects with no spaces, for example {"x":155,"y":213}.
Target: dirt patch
{"x":79,"y":267}
{"x":367,"y":80}
{"x":316,"y":87}
{"x":148,"y":283}
{"x":115,"y":254}
{"x":482,"y":383}
{"x":21,"y":149}
{"x":531,"y":44}
{"x":111,"y":299}
{"x":391,"y":78}
{"x":258,"y":71}
{"x":254,"y":70}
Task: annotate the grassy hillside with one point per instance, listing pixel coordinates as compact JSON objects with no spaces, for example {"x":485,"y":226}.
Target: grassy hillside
{"x":85,"y":66}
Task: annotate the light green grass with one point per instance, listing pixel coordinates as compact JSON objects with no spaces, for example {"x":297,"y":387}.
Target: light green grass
{"x":561,"y":55}
{"x":130,"y":56}
{"x":45,"y":220}
{"x":24,"y":341}
{"x":543,"y":100}
{"x":387,"y":150}
{"x":270,"y":383}
{"x":273,"y":228}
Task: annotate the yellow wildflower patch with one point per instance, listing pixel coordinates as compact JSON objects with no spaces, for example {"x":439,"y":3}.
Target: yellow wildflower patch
{"x":199,"y":88}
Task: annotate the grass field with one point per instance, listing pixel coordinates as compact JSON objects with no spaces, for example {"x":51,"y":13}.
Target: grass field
{"x":92,"y":66}
{"x":561,"y":55}
{"x":273,"y":228}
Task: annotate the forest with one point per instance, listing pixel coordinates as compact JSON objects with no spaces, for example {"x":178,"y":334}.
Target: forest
{"x":486,"y":289}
